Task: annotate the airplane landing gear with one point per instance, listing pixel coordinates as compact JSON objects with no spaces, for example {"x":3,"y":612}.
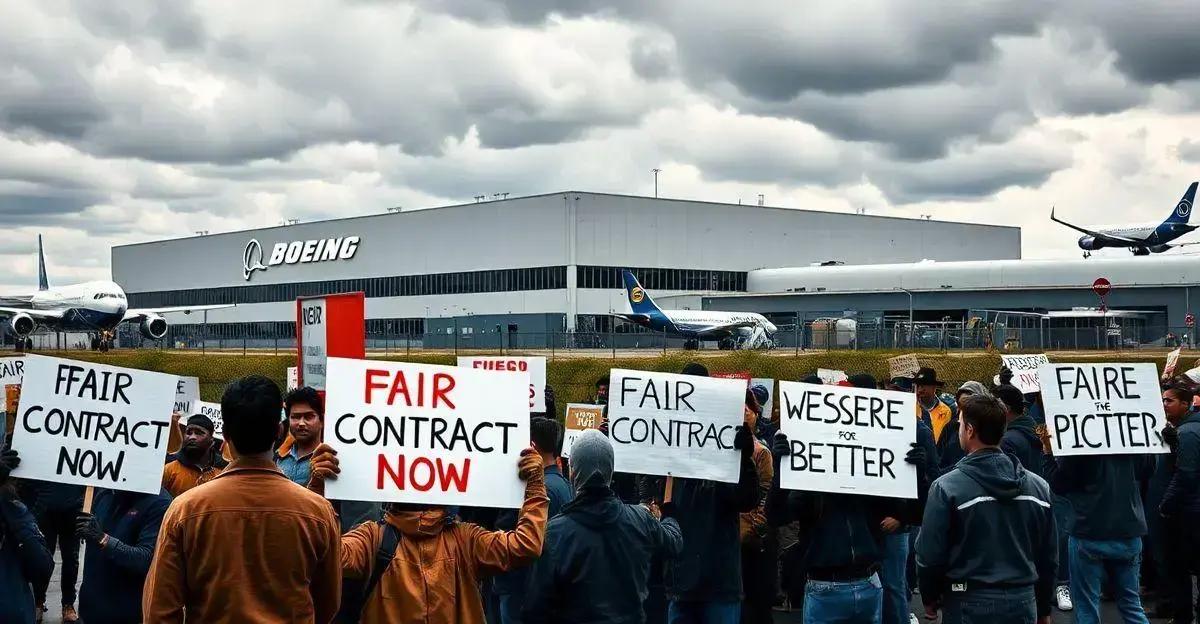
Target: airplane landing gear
{"x":691,"y":344}
{"x":1087,"y":254}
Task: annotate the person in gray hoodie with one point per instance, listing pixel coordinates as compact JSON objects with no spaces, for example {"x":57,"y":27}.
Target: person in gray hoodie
{"x":986,"y":551}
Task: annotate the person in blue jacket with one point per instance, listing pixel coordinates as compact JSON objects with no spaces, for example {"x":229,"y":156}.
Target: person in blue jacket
{"x":119,"y":537}
{"x":24,"y":558}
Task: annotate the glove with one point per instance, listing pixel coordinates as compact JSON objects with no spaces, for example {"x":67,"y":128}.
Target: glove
{"x":88,"y":528}
{"x":9,"y":460}
{"x":743,"y":440}
{"x":1170,"y":436}
{"x":530,"y":467}
{"x":916,"y":455}
{"x":325,"y":465}
{"x":781,"y":447}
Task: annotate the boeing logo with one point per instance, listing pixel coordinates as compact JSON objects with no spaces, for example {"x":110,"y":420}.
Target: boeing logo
{"x":297,"y":252}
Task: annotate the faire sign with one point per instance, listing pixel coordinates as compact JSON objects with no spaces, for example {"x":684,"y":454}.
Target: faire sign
{"x":675,"y":425}
{"x":1103,"y":409}
{"x":91,"y":424}
{"x":847,"y":440}
{"x":420,"y":433}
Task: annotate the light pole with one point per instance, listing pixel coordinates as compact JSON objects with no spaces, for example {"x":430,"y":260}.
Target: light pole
{"x":656,"y":170}
{"x":910,"y":314}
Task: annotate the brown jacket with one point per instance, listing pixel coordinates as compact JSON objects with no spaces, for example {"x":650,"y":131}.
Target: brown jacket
{"x":250,"y":547}
{"x":754,"y":523}
{"x":180,"y":475}
{"x":434,"y":577}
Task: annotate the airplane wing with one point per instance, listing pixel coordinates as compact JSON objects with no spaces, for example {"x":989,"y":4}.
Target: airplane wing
{"x":725,"y":329}
{"x":48,"y":315}
{"x":633,"y":318}
{"x":1098,"y":235}
{"x":1174,"y":245}
{"x":134,"y":314}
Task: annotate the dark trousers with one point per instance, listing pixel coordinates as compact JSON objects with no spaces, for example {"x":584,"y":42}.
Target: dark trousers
{"x":58,"y":526}
{"x":1183,"y":563}
{"x":758,"y":586}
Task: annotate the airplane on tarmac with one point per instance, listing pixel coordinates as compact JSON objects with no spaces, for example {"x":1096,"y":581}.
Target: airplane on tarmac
{"x":1143,"y":239}
{"x":94,"y":307}
{"x":732,"y":330}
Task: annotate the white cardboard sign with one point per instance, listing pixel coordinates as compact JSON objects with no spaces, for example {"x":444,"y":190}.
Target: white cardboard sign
{"x":187,"y":395}
{"x":420,"y":433}
{"x":847,"y":440}
{"x":579,"y":418}
{"x":12,"y":369}
{"x":1172,"y":363}
{"x":293,"y":378}
{"x":314,"y":314}
{"x":903,"y":366}
{"x":535,"y":366}
{"x":675,"y":425}
{"x":91,"y":424}
{"x":213,"y":412}
{"x":831,"y":376}
{"x":1025,"y":371}
{"x":1103,"y":409}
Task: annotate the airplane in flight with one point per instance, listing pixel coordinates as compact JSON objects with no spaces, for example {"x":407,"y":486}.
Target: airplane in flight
{"x":1143,"y":239}
{"x":732,"y":330}
{"x":93,"y":307}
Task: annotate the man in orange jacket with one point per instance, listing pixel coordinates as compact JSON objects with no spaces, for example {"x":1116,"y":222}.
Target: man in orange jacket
{"x":433,"y":577}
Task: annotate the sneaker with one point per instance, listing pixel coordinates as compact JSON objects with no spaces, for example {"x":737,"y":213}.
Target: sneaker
{"x":1063,"y":597}
{"x":69,"y":614}
{"x":912,"y":619}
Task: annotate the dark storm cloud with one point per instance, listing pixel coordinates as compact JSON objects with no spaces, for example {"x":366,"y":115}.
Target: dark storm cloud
{"x":1155,"y":42}
{"x":26,"y":209}
{"x":973,"y":175}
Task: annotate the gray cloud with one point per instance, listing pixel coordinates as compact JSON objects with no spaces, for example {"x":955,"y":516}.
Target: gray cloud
{"x":1189,"y":150}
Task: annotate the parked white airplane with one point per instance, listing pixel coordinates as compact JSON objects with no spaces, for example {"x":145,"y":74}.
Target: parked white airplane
{"x":89,"y":307}
{"x":1142,"y":239}
{"x":732,"y":329}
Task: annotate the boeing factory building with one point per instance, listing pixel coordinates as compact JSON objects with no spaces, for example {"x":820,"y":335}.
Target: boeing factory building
{"x":528,"y":267}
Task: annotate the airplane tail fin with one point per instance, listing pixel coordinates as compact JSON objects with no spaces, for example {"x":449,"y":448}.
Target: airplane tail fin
{"x":639,"y":300}
{"x":1183,"y":210}
{"x":43,"y":283}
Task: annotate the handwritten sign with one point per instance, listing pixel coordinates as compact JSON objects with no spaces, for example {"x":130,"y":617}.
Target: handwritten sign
{"x":847,"y":440}
{"x":1025,"y":371}
{"x":580,"y":418}
{"x":213,"y":412}
{"x":12,"y":369}
{"x":293,"y":378}
{"x":675,"y":425}
{"x":420,"y":433}
{"x":903,"y":366}
{"x":831,"y":376}
{"x":313,"y":316}
{"x":1103,"y":409}
{"x":187,"y":394}
{"x":1172,"y":363}
{"x":92,"y":424}
{"x":535,"y":366}
{"x":769,"y":384}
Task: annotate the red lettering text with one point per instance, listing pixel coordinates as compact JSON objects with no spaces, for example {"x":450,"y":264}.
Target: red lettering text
{"x":423,"y":474}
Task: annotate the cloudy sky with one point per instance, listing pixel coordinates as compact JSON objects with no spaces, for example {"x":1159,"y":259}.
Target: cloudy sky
{"x":137,"y":120}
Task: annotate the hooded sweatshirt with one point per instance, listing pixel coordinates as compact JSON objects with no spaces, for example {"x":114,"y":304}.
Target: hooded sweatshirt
{"x":1105,"y":493}
{"x":1022,"y":441}
{"x":988,"y":523}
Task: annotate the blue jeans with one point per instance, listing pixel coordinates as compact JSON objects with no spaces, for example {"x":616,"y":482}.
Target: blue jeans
{"x":1007,"y":605}
{"x":855,"y":602}
{"x":894,"y":579}
{"x":696,"y":612}
{"x":1120,"y":560}
{"x":1064,"y":517}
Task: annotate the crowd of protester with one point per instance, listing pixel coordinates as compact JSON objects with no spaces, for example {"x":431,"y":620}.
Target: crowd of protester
{"x":1001,"y":529}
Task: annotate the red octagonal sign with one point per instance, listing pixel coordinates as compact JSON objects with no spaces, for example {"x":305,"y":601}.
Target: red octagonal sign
{"x":1101,"y":286}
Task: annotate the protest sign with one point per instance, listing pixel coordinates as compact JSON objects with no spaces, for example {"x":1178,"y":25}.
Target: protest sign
{"x":187,"y":394}
{"x":213,"y":412}
{"x":1172,"y":362}
{"x":328,"y":326}
{"x":903,"y":366}
{"x":1025,"y":371}
{"x":420,"y":433}
{"x":743,"y":375}
{"x":535,"y":366}
{"x":769,"y":384}
{"x":92,"y":424}
{"x":11,"y":371}
{"x":831,"y":376}
{"x":847,"y":440}
{"x":293,"y":379}
{"x":675,"y":425}
{"x":580,"y":418}
{"x":1103,"y":409}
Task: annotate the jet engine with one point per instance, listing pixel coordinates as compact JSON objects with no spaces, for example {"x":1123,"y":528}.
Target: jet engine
{"x":1159,"y":248}
{"x":1088,"y":243}
{"x":154,"y":327}
{"x":22,"y":324}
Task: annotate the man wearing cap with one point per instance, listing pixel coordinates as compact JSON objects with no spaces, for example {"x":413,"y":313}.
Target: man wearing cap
{"x":595,"y":562}
{"x":198,"y":459}
{"x":938,"y":417}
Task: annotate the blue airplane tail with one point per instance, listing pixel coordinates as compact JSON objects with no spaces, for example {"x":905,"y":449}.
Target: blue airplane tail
{"x":42,"y":282}
{"x":1183,"y":210}
{"x":639,"y":300}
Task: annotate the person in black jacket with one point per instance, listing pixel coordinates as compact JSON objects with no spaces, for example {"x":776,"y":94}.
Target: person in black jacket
{"x":120,"y":535}
{"x":704,"y":583}
{"x":1107,"y":527}
{"x":596,"y":557}
{"x":1180,"y":506}
{"x":986,"y":552}
{"x":55,"y":506}
{"x":1020,"y":438}
{"x":24,"y":559}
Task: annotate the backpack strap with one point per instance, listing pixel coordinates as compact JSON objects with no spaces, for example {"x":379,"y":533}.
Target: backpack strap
{"x":383,"y":557}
